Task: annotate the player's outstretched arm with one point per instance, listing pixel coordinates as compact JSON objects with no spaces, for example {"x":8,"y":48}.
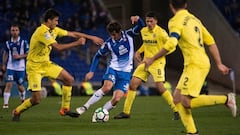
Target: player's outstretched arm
{"x":61,"y":47}
{"x":96,"y":40}
{"x":216,"y":56}
{"x":89,"y":76}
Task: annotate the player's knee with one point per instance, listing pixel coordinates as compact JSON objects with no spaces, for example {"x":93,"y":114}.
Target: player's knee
{"x":133,"y":87}
{"x":186,"y":103}
{"x":115,"y":100}
{"x":68,"y":81}
{"x":35,"y":101}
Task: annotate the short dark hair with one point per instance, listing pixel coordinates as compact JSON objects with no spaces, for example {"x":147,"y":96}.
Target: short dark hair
{"x":151,"y":14}
{"x":177,"y":4}
{"x":114,"y":26}
{"x":50,"y":14}
{"x":15,"y":25}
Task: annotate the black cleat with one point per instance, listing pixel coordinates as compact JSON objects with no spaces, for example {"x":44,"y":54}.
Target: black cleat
{"x":16,"y":117}
{"x":72,"y":114}
{"x":176,"y":116}
{"x":122,"y":115}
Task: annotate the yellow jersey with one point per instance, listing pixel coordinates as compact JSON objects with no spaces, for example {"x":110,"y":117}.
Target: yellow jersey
{"x":40,"y":43}
{"x":153,"y":41}
{"x":189,"y":33}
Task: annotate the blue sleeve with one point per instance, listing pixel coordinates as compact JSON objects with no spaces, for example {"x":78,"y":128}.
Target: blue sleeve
{"x":137,"y":28}
{"x":95,"y":61}
{"x":102,"y":51}
{"x":26,"y":46}
{"x":5,"y":46}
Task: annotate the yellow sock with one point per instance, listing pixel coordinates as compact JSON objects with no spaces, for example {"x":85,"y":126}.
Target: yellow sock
{"x":24,"y":106}
{"x":186,"y":118}
{"x":129,"y":101}
{"x":207,"y":100}
{"x":168,"y":97}
{"x":66,"y":96}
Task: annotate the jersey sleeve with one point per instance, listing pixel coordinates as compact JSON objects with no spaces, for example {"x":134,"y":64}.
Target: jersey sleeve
{"x":207,"y":37}
{"x":61,"y":32}
{"x":103,"y":50}
{"x":137,"y":28}
{"x":26,"y":46}
{"x":175,"y":32}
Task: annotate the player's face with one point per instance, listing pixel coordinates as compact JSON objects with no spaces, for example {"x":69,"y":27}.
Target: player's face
{"x":150,"y":22}
{"x":53,"y":22}
{"x":116,"y":36}
{"x":14,"y":31}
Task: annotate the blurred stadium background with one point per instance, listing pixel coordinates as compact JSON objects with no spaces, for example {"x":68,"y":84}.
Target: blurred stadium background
{"x":221,"y":17}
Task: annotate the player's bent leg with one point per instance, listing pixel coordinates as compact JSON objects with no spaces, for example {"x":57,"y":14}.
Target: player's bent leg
{"x":169,"y":99}
{"x":20,"y":109}
{"x":93,"y":99}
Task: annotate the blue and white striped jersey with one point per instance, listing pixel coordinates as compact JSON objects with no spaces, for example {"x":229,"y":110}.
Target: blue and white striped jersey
{"x":121,"y":51}
{"x":19,"y":47}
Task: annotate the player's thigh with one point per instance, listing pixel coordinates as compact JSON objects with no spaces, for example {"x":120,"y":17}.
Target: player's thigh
{"x":122,"y":82}
{"x":141,"y":73}
{"x":158,"y":72}
{"x":191,"y":80}
{"x":9,"y":77}
{"x":34,"y":81}
{"x":53,"y":70}
{"x":134,"y":83}
{"x":19,"y":77}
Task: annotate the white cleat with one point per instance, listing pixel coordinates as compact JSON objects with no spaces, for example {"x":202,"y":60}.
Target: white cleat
{"x":94,"y":118}
{"x":81,"y":110}
{"x":231,"y":103}
{"x":5,"y":106}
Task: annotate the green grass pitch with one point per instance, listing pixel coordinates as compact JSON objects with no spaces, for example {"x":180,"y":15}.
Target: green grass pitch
{"x":150,"y":116}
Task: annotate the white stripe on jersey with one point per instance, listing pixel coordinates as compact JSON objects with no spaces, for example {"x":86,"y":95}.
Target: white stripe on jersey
{"x":17,"y":65}
{"x":122,"y":52}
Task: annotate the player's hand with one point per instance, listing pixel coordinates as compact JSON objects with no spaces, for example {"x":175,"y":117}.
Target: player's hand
{"x":148,"y":62}
{"x":138,"y":57}
{"x":97,"y":40}
{"x":4,"y":68}
{"x":134,"y":19}
{"x":223,"y":69}
{"x":16,"y":56}
{"x":89,"y":76}
{"x":82,"y":41}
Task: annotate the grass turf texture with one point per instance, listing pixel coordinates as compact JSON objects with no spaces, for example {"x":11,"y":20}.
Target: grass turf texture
{"x":150,"y":116}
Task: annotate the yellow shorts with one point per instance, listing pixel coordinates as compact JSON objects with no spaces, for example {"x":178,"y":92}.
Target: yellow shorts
{"x":36,"y":71}
{"x":191,"y":80}
{"x":157,"y":70}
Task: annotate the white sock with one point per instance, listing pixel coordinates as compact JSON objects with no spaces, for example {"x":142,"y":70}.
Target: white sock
{"x":22,"y":95}
{"x":95,"y":98}
{"x":108,"y":105}
{"x":6,"y":97}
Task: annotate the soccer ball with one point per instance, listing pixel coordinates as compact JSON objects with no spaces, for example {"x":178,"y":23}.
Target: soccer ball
{"x":100,"y":115}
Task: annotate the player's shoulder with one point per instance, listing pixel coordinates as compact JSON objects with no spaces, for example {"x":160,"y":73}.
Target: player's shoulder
{"x":144,"y":29}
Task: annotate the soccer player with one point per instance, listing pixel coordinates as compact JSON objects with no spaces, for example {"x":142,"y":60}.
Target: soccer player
{"x":190,"y":34}
{"x":39,"y":64}
{"x":14,"y":59}
{"x":153,"y":37}
{"x":121,"y":48}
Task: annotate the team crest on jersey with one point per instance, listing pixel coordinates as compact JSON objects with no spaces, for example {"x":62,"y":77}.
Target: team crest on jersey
{"x":47,"y":35}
